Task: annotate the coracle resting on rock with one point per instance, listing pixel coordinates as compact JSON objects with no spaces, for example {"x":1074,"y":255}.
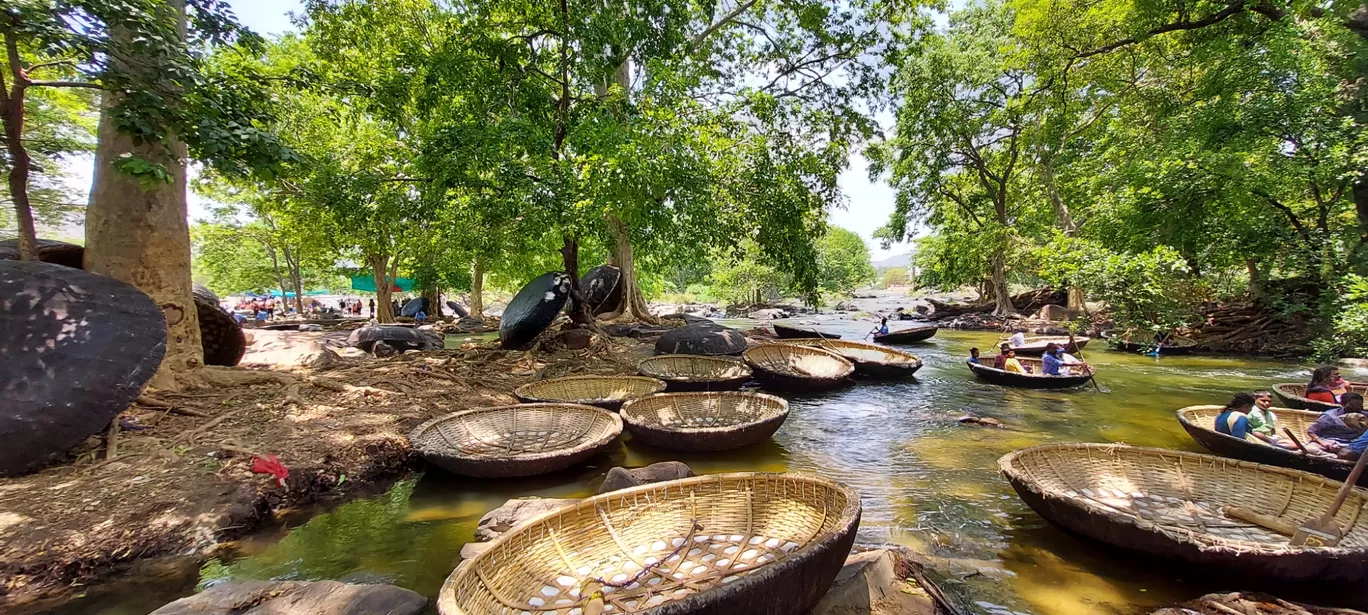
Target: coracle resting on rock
{"x":415,"y":305}
{"x":224,"y":341}
{"x":522,"y":440}
{"x":703,"y":338}
{"x":49,"y":251}
{"x":704,"y":422}
{"x":533,"y":309}
{"x":727,"y":544}
{"x":78,"y":348}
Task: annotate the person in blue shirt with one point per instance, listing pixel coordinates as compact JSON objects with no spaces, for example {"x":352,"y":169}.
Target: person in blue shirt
{"x":420,"y":316}
{"x":1234,"y":417}
{"x":883,"y":326}
{"x":974,"y":356}
{"x":1055,"y":362}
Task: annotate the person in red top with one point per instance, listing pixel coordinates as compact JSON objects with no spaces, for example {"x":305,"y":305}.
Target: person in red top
{"x":1000,"y":361}
{"x":1322,"y":385}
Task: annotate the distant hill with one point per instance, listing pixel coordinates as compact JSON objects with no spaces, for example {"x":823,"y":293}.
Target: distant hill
{"x":897,"y":260}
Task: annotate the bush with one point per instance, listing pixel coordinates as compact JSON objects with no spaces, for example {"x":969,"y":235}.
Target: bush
{"x":1347,"y":316}
{"x":896,"y":276}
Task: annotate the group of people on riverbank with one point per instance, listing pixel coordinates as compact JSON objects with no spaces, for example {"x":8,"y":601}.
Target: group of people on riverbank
{"x":1339,"y":432}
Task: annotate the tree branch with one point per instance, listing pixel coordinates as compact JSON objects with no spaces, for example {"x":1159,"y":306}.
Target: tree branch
{"x":1287,"y":211}
{"x":1235,"y":8}
{"x":736,"y":12}
{"x":65,"y":84}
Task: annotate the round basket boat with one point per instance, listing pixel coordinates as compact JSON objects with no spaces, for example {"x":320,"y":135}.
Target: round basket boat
{"x":510,"y":441}
{"x":686,"y":372}
{"x":725,"y":544}
{"x":798,"y":333}
{"x":1173,"y":505}
{"x":793,"y":367}
{"x":1293,"y":395}
{"x":910,"y":335}
{"x":1035,"y":346}
{"x":1034,"y":380}
{"x":703,"y":422}
{"x":1174,"y":345}
{"x":871,"y":360}
{"x":1200,"y":423}
{"x":607,"y":392}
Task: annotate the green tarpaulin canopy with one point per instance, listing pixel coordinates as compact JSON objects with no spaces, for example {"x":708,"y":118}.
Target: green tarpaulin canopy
{"x":367,"y":283}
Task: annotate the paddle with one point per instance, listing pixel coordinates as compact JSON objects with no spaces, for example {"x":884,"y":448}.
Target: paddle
{"x":1288,"y":431}
{"x":1091,"y":377}
{"x":1323,"y":531}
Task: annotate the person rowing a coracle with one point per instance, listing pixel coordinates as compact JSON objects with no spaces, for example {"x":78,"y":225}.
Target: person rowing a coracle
{"x":883,"y":326}
{"x":1017,"y":340}
{"x":1055,"y":363}
{"x":1263,"y":423}
{"x":1337,"y":427}
{"x":1234,"y":417}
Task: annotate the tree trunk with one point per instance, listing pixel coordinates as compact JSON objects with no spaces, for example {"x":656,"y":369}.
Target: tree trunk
{"x":1002,"y":300}
{"x":477,"y":289}
{"x":141,"y":235}
{"x":579,"y":308}
{"x":384,"y":311}
{"x":1077,"y":301}
{"x":433,"y":295}
{"x":292,"y":269}
{"x":1256,"y":290}
{"x":1358,"y":258}
{"x":12,"y":116}
{"x":275,"y":267}
{"x":633,"y":304}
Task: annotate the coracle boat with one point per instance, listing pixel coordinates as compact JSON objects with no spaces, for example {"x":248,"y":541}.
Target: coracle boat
{"x":1293,"y":395}
{"x":685,"y":372}
{"x":908,"y":336}
{"x":705,"y":338}
{"x":796,"y":333}
{"x":1200,"y":421}
{"x":1176,"y":505}
{"x":607,"y":392}
{"x":793,"y":367}
{"x":533,"y":309}
{"x":1173,"y":346}
{"x":704,"y":422}
{"x":1035,"y":346}
{"x":708,"y":545}
{"x":871,"y":360}
{"x":1034,"y":380}
{"x":510,"y":441}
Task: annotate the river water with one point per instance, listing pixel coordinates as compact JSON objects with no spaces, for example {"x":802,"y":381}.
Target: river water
{"x":926,"y":482}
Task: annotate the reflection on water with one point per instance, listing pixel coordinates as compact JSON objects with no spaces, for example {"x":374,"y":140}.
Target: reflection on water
{"x":926,"y":482}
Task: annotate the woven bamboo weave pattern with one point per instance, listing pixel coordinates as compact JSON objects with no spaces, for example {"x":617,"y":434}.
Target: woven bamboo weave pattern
{"x":860,"y":351}
{"x":1296,"y":420}
{"x":517,"y":440}
{"x":797,"y":361}
{"x":692,"y":368}
{"x":594,"y":390}
{"x":1294,"y":394}
{"x":1180,"y":496}
{"x":675,"y":542}
{"x":704,"y":421}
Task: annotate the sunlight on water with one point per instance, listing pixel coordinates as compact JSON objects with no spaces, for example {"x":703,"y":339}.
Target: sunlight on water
{"x":926,"y":482}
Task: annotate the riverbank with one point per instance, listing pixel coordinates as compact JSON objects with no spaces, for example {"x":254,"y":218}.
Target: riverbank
{"x":181,"y":478}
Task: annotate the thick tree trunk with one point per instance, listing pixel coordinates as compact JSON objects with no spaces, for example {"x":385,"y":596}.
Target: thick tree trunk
{"x":384,"y":284}
{"x":633,"y":304}
{"x":477,"y":289}
{"x":579,"y":308}
{"x":12,"y":115}
{"x":433,"y":295}
{"x":1256,"y":290}
{"x":280,"y":277}
{"x":1002,"y":300}
{"x":1077,"y":301}
{"x":141,"y":235}
{"x":296,"y":278}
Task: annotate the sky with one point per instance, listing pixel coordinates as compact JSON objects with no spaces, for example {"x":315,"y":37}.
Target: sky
{"x":869,"y":204}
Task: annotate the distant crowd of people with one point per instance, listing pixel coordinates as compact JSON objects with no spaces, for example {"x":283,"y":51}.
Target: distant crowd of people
{"x":1340,"y":432}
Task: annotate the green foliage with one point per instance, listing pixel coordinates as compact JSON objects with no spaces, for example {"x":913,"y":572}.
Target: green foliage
{"x":739,"y":276}
{"x":1147,"y":291}
{"x":893,"y":276}
{"x":843,"y":262}
{"x":59,"y":128}
{"x":1348,"y":318}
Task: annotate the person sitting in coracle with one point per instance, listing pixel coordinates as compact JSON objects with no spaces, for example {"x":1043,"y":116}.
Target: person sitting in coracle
{"x":1263,"y":424}
{"x":1234,"y":417}
{"x":1056,"y":362}
{"x":1322,"y":385}
{"x":974,"y":356}
{"x":1013,"y":365}
{"x":1000,"y":361}
{"x":1337,"y":427}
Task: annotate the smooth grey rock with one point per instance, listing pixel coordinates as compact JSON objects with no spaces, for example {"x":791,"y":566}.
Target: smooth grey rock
{"x":874,"y":583}
{"x":622,"y":478}
{"x":513,"y":513}
{"x":297,"y":598}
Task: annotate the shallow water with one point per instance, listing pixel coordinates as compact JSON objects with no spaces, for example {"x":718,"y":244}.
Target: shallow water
{"x":925,"y":481}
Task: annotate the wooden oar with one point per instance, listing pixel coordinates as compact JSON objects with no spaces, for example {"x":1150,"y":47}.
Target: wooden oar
{"x":1288,"y":431}
{"x":1323,"y":531}
{"x":1091,"y":377}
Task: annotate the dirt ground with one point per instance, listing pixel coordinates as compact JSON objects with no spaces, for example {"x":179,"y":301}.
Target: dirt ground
{"x":184,"y":482}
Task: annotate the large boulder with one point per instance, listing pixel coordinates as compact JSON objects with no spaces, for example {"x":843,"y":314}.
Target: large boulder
{"x":289,"y":349}
{"x":77,"y":349}
{"x":297,"y":598}
{"x":224,"y":341}
{"x":876,"y":583}
{"x":533,"y":309}
{"x":622,"y":478}
{"x":704,"y":338}
{"x":513,"y":513}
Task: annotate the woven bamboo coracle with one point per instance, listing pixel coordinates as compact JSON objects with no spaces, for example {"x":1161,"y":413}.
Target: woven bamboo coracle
{"x":606,"y":392}
{"x":871,"y":360}
{"x":789,"y":366}
{"x":728,"y":543}
{"x":686,"y":372}
{"x":1200,"y":423}
{"x":1294,"y":395}
{"x":716,"y":421}
{"x":522,"y":440}
{"x":1173,"y":505}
